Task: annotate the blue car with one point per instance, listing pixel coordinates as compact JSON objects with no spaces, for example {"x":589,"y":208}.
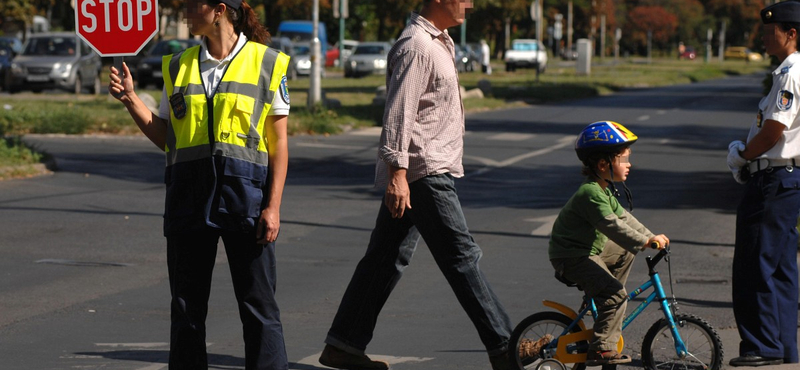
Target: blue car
{"x":148,"y":71}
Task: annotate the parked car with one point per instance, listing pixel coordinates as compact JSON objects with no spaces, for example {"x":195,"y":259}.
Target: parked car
{"x":526,"y":53}
{"x":570,"y":53}
{"x":688,"y":53}
{"x":287,"y":47}
{"x":367,"y":58}
{"x":741,"y":52}
{"x":302,"y":56}
{"x":467,"y":60}
{"x":149,"y":69}
{"x":56,"y":60}
{"x":333,"y":54}
{"x":12,"y":43}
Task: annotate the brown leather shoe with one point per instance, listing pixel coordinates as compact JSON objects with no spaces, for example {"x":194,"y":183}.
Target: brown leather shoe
{"x":597,"y":358}
{"x":339,"y":359}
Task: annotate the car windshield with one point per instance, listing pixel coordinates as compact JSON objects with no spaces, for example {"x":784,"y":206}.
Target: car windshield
{"x":50,"y":46}
{"x":169,"y":47}
{"x":369,"y":50}
{"x":525,"y":46}
{"x":302,"y":49}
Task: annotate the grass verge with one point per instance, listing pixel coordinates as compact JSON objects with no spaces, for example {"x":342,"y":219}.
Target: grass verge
{"x":69,"y":114}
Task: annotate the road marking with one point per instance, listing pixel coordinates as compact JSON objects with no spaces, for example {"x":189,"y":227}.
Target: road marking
{"x":546,"y":227}
{"x":313,"y":360}
{"x":330,"y":146}
{"x":134,"y":345}
{"x":510,"y":136}
{"x":643,"y":118}
{"x":491,"y":164}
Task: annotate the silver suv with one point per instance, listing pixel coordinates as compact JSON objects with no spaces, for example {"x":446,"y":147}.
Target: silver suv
{"x":55,"y":60}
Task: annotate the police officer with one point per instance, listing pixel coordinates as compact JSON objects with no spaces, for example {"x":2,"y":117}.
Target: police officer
{"x":765,"y":289}
{"x":222,"y":123}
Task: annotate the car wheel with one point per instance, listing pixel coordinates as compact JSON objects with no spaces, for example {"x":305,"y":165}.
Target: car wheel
{"x":160,"y":84}
{"x":141,"y":83}
{"x":509,"y":67}
{"x":78,"y":85}
{"x":96,"y":87}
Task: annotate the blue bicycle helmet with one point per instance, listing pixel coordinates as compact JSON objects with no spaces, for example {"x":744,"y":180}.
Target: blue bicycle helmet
{"x":603,"y":137}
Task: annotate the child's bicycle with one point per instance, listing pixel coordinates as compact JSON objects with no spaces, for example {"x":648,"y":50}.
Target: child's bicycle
{"x":675,"y":342}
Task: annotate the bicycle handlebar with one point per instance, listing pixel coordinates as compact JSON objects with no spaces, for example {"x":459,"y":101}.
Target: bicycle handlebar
{"x":653,"y":261}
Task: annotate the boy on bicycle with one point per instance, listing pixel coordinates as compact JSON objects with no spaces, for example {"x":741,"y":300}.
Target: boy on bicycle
{"x":594,"y":238}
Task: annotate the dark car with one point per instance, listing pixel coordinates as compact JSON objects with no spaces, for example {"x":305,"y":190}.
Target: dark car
{"x":149,"y":69}
{"x":287,"y":47}
{"x":467,"y":60}
{"x":6,"y":54}
{"x":55,"y":60}
{"x":367,"y":58}
{"x":12,"y":43}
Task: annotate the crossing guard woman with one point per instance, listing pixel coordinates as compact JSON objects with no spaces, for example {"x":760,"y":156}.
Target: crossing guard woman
{"x":765,"y":288}
{"x":222,"y":123}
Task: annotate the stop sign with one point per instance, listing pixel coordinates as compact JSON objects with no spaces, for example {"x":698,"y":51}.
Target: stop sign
{"x":116,"y":28}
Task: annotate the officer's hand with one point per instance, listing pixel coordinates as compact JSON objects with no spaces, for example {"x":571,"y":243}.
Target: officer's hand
{"x":269,"y":225}
{"x":121,"y":87}
{"x":735,"y":159}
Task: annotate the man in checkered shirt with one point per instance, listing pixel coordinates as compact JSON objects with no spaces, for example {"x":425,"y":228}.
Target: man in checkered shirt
{"x":418,"y":157}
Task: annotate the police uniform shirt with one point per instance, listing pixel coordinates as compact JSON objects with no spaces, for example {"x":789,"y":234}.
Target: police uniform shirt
{"x":781,"y":105}
{"x":212,"y":71}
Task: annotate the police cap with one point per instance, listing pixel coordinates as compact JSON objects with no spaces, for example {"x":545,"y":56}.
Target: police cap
{"x":786,"y":11}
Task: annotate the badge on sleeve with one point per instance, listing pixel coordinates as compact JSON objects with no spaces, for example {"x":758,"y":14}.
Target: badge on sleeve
{"x":760,"y":118}
{"x":284,"y":90}
{"x":178,"y":103}
{"x":784,"y":70}
{"x":785,"y":99}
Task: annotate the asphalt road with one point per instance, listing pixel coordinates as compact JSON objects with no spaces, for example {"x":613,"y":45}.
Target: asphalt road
{"x":84,"y":281}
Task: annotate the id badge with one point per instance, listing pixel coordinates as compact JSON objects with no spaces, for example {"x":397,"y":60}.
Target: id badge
{"x":178,"y":103}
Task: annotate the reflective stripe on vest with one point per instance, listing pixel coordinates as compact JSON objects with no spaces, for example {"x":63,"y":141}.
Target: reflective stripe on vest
{"x":233,"y":125}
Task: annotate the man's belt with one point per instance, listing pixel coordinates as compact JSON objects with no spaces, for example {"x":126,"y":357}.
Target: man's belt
{"x":765,"y":164}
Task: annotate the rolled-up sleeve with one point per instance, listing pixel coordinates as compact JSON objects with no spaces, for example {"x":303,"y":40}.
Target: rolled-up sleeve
{"x":409,"y":80}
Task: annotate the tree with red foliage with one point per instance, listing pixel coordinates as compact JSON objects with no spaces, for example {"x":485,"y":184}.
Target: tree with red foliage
{"x":655,"y":19}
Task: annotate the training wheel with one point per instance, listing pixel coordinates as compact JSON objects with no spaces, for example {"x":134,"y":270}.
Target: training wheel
{"x":550,"y":364}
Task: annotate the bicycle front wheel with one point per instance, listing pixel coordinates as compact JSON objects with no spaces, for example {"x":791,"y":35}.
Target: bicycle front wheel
{"x":536,"y":326}
{"x":701,"y":340}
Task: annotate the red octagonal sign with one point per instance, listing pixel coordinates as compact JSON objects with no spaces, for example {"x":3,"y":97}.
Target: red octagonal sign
{"x":116,"y":27}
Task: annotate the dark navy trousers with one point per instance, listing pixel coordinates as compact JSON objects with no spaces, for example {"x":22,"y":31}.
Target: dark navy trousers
{"x":765,"y":290}
{"x":190,"y":258}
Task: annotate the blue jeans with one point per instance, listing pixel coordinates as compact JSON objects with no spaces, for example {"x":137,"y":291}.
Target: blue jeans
{"x":437,"y":216}
{"x":765,"y":265}
{"x":190,"y":259}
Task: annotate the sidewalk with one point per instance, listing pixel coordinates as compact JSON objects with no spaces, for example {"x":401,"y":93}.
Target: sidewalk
{"x":730,"y":346}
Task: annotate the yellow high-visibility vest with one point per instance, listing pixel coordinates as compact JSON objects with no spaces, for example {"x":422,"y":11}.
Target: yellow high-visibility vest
{"x":216,"y":151}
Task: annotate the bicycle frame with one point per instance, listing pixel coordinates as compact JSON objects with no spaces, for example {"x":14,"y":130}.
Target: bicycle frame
{"x":657,"y":294}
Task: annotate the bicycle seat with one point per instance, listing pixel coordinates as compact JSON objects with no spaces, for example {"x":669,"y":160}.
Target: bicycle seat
{"x":567,"y":282}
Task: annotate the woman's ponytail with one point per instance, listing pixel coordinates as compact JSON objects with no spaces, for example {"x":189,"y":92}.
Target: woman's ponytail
{"x":246,"y":21}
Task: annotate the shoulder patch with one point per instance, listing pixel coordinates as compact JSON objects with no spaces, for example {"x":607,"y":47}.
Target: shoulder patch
{"x":785,"y":70}
{"x":284,"y":90}
{"x":785,"y":99}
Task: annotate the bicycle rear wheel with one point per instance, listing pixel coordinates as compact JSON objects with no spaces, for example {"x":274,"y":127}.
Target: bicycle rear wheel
{"x":535,"y":327}
{"x":701,"y":340}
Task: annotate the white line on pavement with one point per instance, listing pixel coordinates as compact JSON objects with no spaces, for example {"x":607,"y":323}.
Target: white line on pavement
{"x":492,"y":164}
{"x":546,"y":227}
